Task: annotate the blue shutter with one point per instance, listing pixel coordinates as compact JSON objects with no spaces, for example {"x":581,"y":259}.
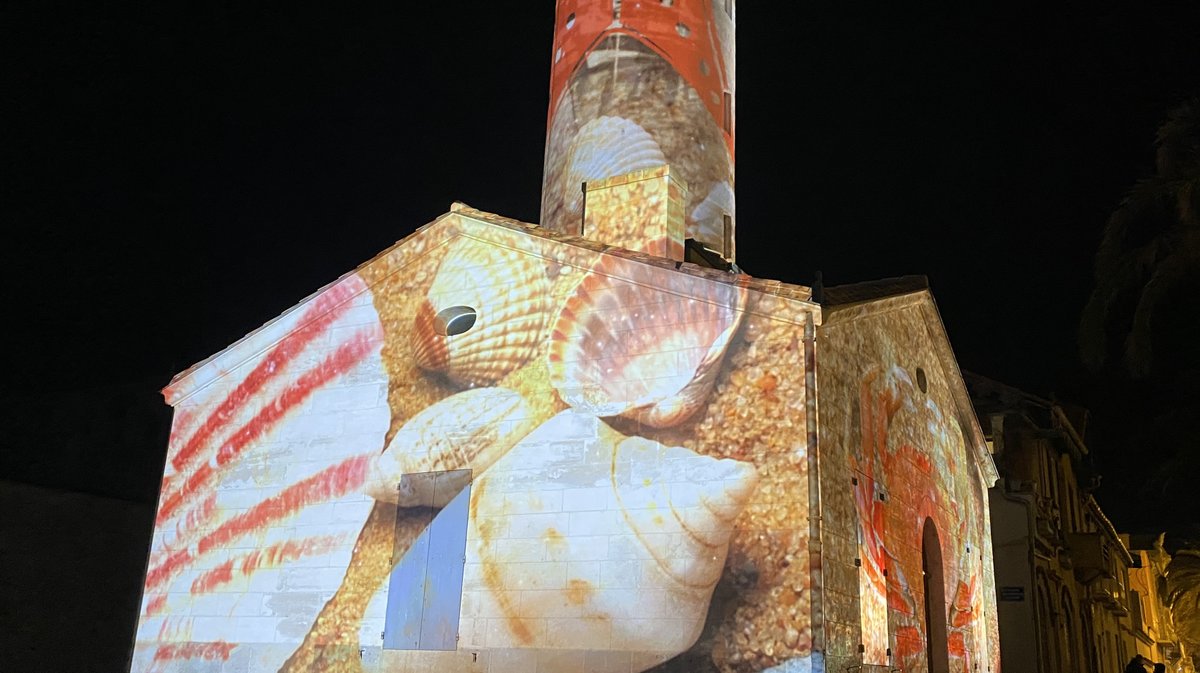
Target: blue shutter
{"x":425,"y":589}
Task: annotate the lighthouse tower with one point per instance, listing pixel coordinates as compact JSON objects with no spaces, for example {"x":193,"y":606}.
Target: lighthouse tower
{"x":634,"y":87}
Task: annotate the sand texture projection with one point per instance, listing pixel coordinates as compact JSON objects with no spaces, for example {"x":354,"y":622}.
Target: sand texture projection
{"x":504,"y":448}
{"x":636,"y":86}
{"x":635,"y":440}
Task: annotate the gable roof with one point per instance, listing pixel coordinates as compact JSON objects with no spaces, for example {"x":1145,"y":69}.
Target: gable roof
{"x":462,"y":220}
{"x":848,"y":302}
{"x":852,"y":293}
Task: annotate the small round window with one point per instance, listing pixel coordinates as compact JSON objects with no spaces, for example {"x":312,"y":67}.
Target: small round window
{"x":455,"y":320}
{"x":922,"y":381}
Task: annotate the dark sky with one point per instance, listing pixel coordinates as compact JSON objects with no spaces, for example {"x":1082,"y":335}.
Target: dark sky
{"x":173,"y":179}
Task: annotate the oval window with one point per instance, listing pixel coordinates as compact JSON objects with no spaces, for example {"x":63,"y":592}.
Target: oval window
{"x":455,"y":320}
{"x":922,"y":381}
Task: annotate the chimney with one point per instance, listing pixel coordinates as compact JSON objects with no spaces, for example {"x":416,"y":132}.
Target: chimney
{"x":635,"y":87}
{"x":642,"y":211}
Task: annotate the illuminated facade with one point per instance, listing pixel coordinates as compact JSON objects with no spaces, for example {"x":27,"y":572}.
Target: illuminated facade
{"x":1063,"y":572}
{"x":504,"y":447}
{"x":1151,"y":623}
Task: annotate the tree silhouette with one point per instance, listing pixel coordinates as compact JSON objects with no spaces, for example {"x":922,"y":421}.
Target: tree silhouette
{"x":1140,"y":333}
{"x":1149,"y":254}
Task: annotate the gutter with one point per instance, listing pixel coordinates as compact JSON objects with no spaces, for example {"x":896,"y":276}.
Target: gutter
{"x":815,"y":547}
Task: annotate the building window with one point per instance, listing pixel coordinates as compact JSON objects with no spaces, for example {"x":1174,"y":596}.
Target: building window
{"x":455,"y":320}
{"x":425,"y":588}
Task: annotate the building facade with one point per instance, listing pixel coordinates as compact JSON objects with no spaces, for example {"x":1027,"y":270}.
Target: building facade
{"x":504,"y":447}
{"x":1062,"y":570}
{"x":1151,"y":624}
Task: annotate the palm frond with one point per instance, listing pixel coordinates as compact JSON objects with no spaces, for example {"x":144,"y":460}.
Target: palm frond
{"x":1169,"y":273}
{"x":1153,"y":227}
{"x":1178,"y":141}
{"x":1183,"y":595}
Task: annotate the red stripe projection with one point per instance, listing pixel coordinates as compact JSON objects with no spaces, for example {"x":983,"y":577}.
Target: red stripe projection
{"x":156,"y":604}
{"x":209,"y":651}
{"x":328,"y":307}
{"x":190,"y":521}
{"x":272,"y":556}
{"x":343,"y":359}
{"x":175,"y":629}
{"x":186,"y":527}
{"x":180,"y":424}
{"x":168,"y":483}
{"x":328,"y":484}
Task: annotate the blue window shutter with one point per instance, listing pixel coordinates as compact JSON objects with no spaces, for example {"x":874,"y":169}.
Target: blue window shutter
{"x":425,"y":588}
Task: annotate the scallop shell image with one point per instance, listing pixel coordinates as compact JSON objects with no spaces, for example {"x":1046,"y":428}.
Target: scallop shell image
{"x":509,"y":293}
{"x":467,"y":431}
{"x":707,"y":220}
{"x":648,"y":347}
{"x":604,"y":147}
{"x":584,"y":539}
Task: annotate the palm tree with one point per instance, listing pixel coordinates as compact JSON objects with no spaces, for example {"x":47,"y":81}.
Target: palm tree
{"x":1140,"y":333}
{"x":1183,"y":595}
{"x":1149,"y":253}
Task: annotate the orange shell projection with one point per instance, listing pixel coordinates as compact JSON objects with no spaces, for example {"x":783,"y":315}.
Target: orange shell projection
{"x":648,"y":347}
{"x":509,"y":291}
{"x":683,"y":33}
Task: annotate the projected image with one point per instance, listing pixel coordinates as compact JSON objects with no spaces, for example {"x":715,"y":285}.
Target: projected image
{"x":494,"y":453}
{"x":637,"y":86}
{"x":912,"y":471}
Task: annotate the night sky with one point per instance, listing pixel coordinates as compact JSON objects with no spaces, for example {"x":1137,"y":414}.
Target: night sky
{"x":172,"y":180}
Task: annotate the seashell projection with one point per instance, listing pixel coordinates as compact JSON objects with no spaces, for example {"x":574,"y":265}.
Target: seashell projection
{"x":584,"y":539}
{"x":604,"y":147}
{"x":707,"y":220}
{"x":509,"y":292}
{"x":466,"y":431}
{"x":648,"y":347}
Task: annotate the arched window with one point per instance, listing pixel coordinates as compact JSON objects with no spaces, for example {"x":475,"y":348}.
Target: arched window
{"x":1046,"y":625}
{"x":1069,"y":646}
{"x":937,"y":652}
{"x":1089,"y":638}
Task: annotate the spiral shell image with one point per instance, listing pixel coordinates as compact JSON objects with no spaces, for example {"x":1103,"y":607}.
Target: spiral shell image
{"x":604,"y":147}
{"x":619,"y":541}
{"x":649,"y":347}
{"x":508,"y":291}
{"x":466,"y":431}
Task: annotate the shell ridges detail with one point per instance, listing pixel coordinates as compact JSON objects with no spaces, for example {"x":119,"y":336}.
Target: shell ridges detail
{"x":466,"y":431}
{"x":648,"y":346}
{"x":605,"y":147}
{"x":510,"y":293}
